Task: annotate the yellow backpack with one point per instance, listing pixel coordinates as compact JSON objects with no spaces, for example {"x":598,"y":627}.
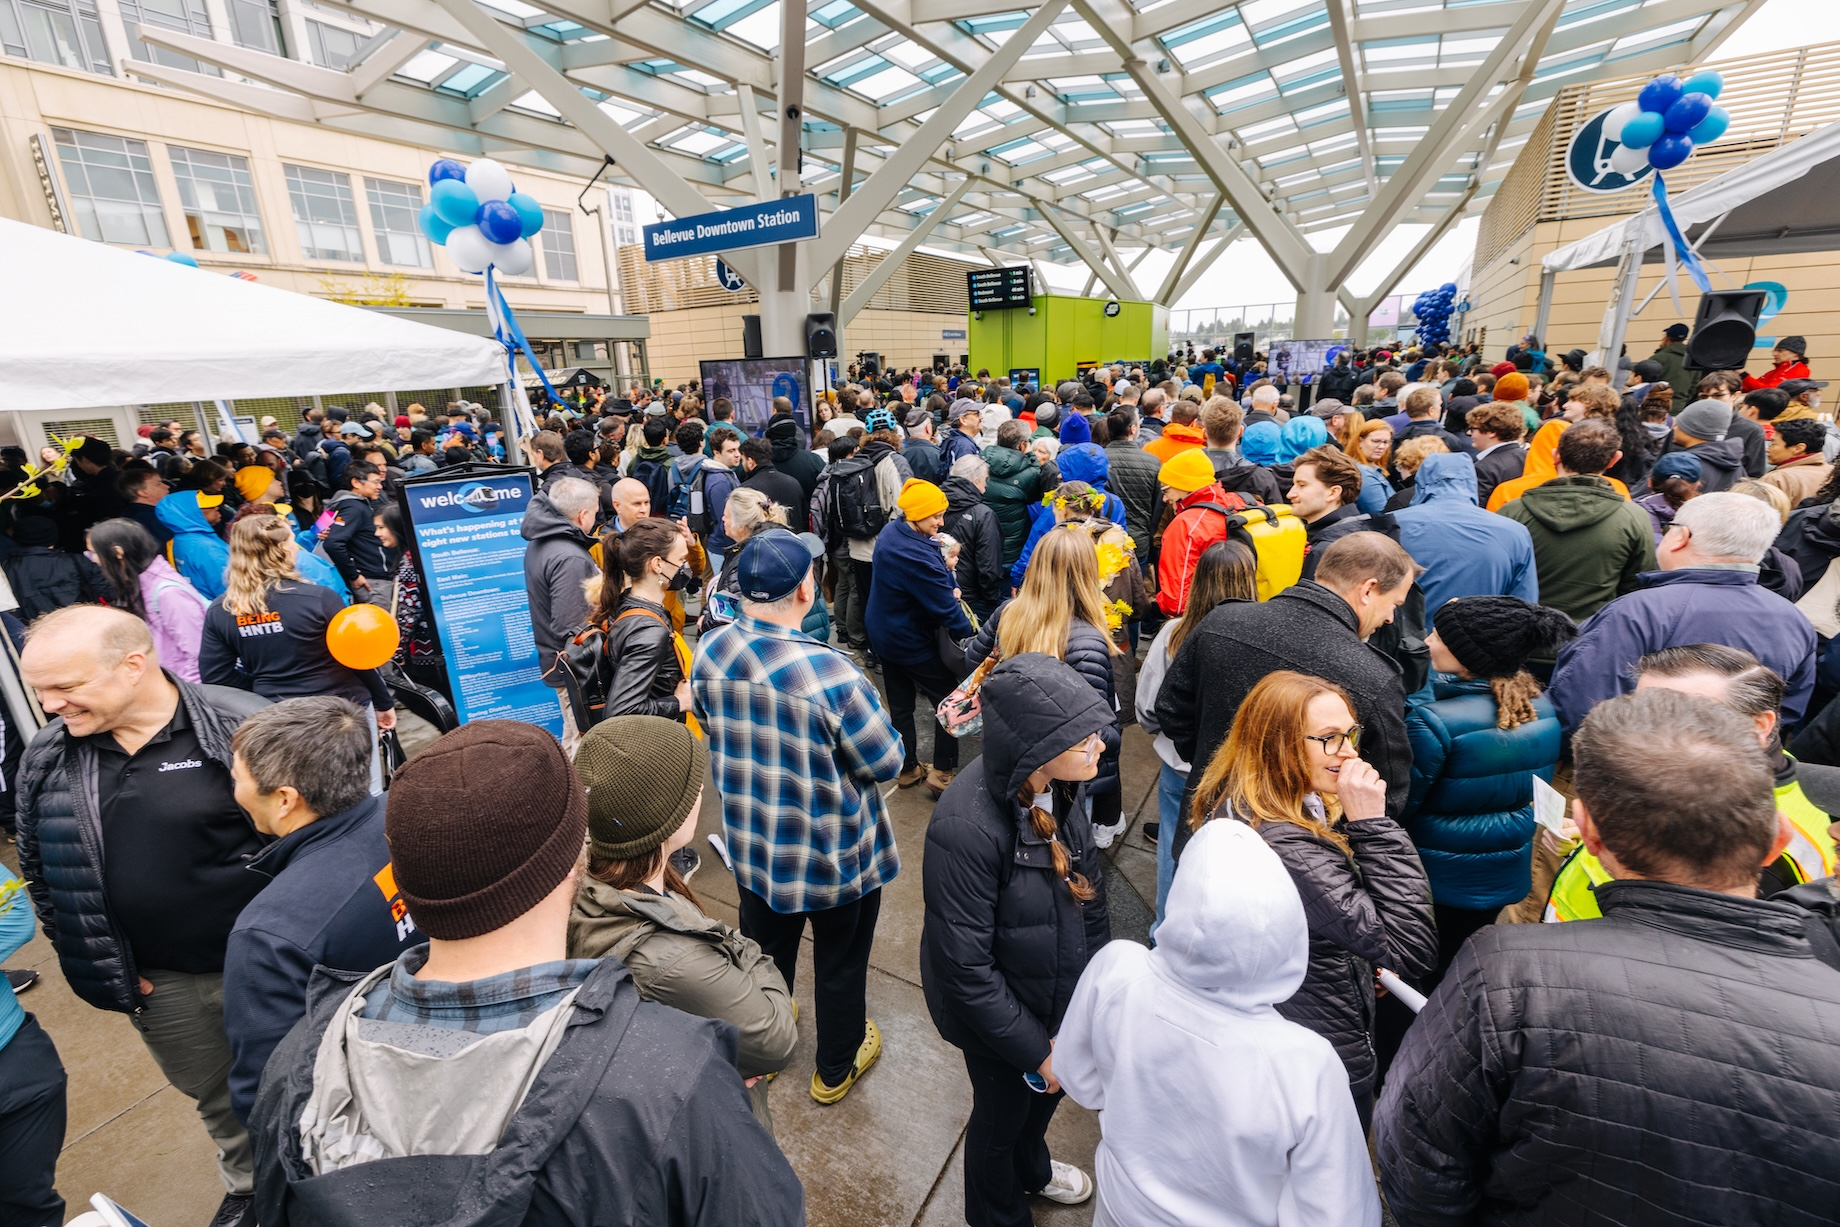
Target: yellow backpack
{"x":1276,"y":537}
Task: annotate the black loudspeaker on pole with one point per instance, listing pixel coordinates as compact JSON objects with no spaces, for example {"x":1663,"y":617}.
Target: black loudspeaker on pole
{"x":821,"y":335}
{"x":1724,"y":329}
{"x":750,"y":337}
{"x":1242,"y":347}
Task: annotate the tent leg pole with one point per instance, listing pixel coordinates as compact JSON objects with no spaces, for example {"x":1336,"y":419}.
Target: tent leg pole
{"x":514,"y":446}
{"x":26,"y":715}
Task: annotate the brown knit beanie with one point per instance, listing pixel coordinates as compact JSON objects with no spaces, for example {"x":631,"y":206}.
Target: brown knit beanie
{"x":643,"y":774}
{"x":483,"y":824}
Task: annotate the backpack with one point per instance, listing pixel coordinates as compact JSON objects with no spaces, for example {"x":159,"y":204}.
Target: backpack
{"x":585,"y":670}
{"x":677,"y":501}
{"x":856,"y":502}
{"x":1276,"y":538}
{"x":320,"y":470}
{"x":655,"y":475}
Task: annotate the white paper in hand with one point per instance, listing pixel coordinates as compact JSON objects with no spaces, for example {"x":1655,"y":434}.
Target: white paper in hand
{"x":1549,"y":807}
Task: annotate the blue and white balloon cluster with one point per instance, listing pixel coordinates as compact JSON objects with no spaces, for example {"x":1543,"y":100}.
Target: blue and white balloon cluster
{"x":1433,"y":309}
{"x":1669,"y":119}
{"x":482,"y":220}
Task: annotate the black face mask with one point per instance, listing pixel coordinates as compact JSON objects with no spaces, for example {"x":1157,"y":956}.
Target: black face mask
{"x":680,"y":579}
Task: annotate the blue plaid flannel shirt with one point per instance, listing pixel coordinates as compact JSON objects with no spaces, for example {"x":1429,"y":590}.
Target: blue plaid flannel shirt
{"x":800,"y":741}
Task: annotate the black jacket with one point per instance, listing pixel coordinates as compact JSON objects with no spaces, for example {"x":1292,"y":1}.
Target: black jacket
{"x":1811,"y":538}
{"x":784,"y":489}
{"x":983,"y":580}
{"x":1505,"y":463}
{"x":1004,"y":942}
{"x":1339,"y":382}
{"x":1366,"y":913}
{"x":1250,"y":478}
{"x":799,"y":463}
{"x":60,"y":844}
{"x":352,"y":543}
{"x":642,"y":669}
{"x":1672,"y":1062}
{"x":925,"y":459}
{"x":45,"y":578}
{"x":1306,"y":628}
{"x":556,"y":565}
{"x":638,"y":1117}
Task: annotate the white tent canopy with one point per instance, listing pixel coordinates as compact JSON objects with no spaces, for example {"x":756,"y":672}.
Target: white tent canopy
{"x":84,"y":325}
{"x":1759,"y":215}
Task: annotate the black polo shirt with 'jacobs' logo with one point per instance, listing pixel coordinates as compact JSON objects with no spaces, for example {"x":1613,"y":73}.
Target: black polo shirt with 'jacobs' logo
{"x":174,"y":848}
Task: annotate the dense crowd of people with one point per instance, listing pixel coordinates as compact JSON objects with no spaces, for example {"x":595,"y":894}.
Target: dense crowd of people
{"x":1512,"y":681}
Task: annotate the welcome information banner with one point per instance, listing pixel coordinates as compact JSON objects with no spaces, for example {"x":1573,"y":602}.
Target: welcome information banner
{"x":471,"y":556}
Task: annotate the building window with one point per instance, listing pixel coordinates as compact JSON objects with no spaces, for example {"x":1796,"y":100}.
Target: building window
{"x":325,"y":215}
{"x":394,"y":207}
{"x":332,"y":47}
{"x":622,"y":207}
{"x":219,"y":201}
{"x":62,"y":32}
{"x":257,"y":24}
{"x":626,"y":235}
{"x":112,"y":193}
{"x":185,"y":16}
{"x":557,"y":239}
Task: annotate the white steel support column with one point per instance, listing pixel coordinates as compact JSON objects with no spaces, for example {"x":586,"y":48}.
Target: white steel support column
{"x":1201,"y":264}
{"x":1165,"y":293}
{"x":891,"y":263}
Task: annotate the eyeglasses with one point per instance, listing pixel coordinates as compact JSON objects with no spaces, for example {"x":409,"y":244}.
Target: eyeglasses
{"x":1332,"y":743}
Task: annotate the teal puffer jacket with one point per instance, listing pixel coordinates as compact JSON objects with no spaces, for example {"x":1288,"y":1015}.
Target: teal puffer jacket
{"x":1470,"y":809}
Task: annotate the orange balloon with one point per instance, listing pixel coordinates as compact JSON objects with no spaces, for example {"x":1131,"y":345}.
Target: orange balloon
{"x":362,"y":636}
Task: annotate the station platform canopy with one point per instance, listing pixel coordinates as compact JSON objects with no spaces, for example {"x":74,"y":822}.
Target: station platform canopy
{"x":1070,"y":131}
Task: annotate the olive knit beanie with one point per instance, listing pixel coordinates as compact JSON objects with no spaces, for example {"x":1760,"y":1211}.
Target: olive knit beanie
{"x":483,"y":825}
{"x":1493,"y":636}
{"x":643,"y":773}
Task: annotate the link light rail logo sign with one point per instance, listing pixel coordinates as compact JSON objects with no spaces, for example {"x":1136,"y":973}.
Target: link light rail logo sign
{"x":729,"y":279}
{"x":754,"y":225}
{"x":1587,"y":160}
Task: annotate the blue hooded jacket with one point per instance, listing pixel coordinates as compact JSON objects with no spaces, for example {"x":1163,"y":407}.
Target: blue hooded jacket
{"x":1299,"y":436}
{"x":1465,"y":550}
{"x":197,"y":551}
{"x":1261,"y":442}
{"x":1085,"y":462}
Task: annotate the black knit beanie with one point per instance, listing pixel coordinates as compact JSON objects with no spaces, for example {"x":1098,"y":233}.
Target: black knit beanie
{"x":1493,"y":636}
{"x":643,"y":773}
{"x":483,"y":824}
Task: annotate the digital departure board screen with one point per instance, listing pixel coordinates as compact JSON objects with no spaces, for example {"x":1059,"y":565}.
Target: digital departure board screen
{"x":995,"y":288}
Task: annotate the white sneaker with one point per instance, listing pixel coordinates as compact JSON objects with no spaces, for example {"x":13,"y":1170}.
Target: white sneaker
{"x":1070,"y":1185}
{"x":1105,"y":837}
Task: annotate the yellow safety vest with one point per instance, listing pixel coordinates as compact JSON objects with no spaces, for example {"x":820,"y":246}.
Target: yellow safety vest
{"x":1810,"y":855}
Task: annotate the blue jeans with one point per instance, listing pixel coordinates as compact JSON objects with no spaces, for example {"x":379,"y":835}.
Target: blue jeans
{"x":1169,"y":787}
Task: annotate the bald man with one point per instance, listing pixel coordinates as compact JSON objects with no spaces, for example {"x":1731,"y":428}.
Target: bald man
{"x":632,"y":502}
{"x":138,"y":874}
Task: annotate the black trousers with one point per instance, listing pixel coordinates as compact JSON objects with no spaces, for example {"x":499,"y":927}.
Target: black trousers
{"x":1006,"y":1144}
{"x":31,"y":1128}
{"x":840,"y":942}
{"x":906,"y":683}
{"x":862,"y":575}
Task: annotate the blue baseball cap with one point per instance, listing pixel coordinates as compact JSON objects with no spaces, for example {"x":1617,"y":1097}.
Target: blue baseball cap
{"x":775,"y":562}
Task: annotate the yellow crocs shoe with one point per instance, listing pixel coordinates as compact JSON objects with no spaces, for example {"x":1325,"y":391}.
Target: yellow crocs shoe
{"x":866,"y":1056}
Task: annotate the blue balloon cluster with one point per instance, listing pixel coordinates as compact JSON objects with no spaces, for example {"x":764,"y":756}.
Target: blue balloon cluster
{"x":1433,"y":309}
{"x":482,"y":220}
{"x":1668,"y":120}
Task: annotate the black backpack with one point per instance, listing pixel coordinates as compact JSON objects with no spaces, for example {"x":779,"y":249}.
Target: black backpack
{"x":655,"y":475}
{"x":696,"y":496}
{"x":856,"y":504}
{"x":319,"y":468}
{"x":586,"y":671}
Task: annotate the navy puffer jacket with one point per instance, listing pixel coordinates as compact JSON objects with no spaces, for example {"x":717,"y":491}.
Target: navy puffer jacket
{"x":60,"y":844}
{"x":1470,"y":811}
{"x":1089,"y":651}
